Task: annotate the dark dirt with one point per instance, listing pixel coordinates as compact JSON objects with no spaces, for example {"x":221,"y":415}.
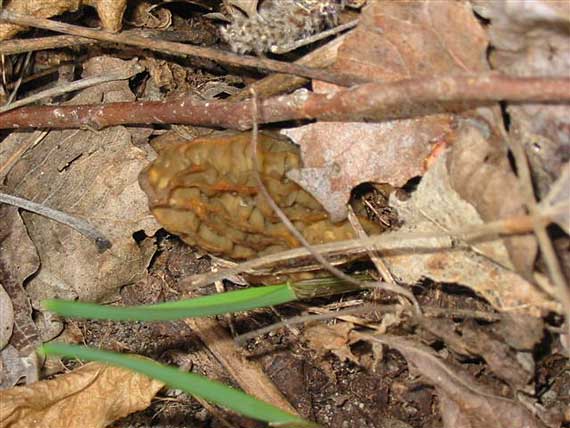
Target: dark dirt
{"x":335,"y":393}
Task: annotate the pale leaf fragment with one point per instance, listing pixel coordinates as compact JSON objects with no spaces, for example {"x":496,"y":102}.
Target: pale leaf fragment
{"x":485,"y":268}
{"x":92,"y":396}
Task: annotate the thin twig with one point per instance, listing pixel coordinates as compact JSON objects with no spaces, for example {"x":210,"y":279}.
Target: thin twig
{"x":174,"y":48}
{"x":18,"y":46}
{"x":367,"y":102}
{"x":82,"y":226}
{"x":242,"y":338}
{"x":315,"y":38}
{"x":73,"y":86}
{"x":417,"y":241}
{"x":14,"y":92}
{"x":379,"y":264}
{"x":539,"y":226}
{"x":34,"y":139}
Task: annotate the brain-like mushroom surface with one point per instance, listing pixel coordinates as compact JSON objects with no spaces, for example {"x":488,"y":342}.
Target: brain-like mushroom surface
{"x":205,"y":191}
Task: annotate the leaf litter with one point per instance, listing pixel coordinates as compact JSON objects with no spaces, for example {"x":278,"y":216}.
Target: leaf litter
{"x":466,"y":179}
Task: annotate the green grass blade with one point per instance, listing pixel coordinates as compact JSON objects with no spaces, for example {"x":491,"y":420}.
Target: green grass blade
{"x":215,"y":304}
{"x":191,"y":383}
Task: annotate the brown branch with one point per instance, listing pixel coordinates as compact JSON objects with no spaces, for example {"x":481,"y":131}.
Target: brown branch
{"x":17,"y":46}
{"x":174,"y":48}
{"x":370,"y":101}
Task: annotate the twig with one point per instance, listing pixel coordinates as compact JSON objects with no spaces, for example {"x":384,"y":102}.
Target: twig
{"x":418,"y":241}
{"x":315,"y":38}
{"x":242,"y":338}
{"x":379,"y":264}
{"x":174,"y":48}
{"x":291,"y":227}
{"x":82,"y":226}
{"x":19,"y":81}
{"x":539,"y":226}
{"x":17,"y":46}
{"x":276,"y":84}
{"x":367,"y":102}
{"x":34,"y":139}
{"x":73,"y":86}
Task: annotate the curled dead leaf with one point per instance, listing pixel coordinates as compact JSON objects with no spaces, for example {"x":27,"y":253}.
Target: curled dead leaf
{"x":110,"y":12}
{"x":486,"y":268}
{"x":92,"y":396}
{"x":463,"y":402}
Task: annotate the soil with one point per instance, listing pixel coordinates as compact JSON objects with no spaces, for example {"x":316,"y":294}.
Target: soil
{"x":338,"y":394}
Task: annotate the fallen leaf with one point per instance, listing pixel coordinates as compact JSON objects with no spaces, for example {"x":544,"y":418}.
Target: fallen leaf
{"x":92,"y":175}
{"x":463,"y":402}
{"x":6,"y":317}
{"x":18,"y":261}
{"x":110,"y":12}
{"x":336,"y":339}
{"x":481,"y":174}
{"x":558,"y":199}
{"x":486,"y":268}
{"x":15,"y":367}
{"x":393,"y":41}
{"x":144,"y":15}
{"x":531,"y":38}
{"x":502,"y":360}
{"x":91,"y":396}
{"x":338,"y":156}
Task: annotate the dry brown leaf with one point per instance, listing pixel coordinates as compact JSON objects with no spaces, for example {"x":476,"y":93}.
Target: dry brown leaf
{"x":480,"y":173}
{"x":463,"y":402}
{"x":336,"y":339}
{"x":485,"y":268}
{"x":110,"y":12}
{"x":18,"y":261}
{"x":559,"y":198}
{"x":144,"y":15}
{"x":6,"y":317}
{"x":247,"y":6}
{"x":531,"y":38}
{"x":394,"y":41}
{"x":92,"y":396}
{"x":92,"y":175}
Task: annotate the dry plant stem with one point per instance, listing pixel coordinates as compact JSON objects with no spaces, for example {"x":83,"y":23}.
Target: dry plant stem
{"x":241,"y":339}
{"x":82,"y":226}
{"x":367,"y":102}
{"x":525,"y":181}
{"x":174,"y":48}
{"x":247,"y":373}
{"x":35,"y":138}
{"x":379,"y":264}
{"x":19,"y":81}
{"x":315,"y":38}
{"x":17,"y":46}
{"x":408,"y":241}
{"x":276,"y":84}
{"x":70,"y":87}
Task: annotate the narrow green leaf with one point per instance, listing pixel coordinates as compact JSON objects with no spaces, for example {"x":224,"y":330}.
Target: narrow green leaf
{"x":191,"y":383}
{"x":215,"y":304}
